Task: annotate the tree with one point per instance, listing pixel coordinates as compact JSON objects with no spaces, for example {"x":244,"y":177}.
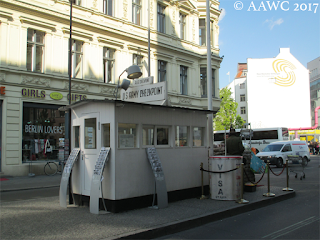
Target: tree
{"x":227,"y":115}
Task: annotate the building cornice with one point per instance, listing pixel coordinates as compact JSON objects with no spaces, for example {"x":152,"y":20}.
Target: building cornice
{"x":5,"y":15}
{"x":138,"y":49}
{"x":163,"y":55}
{"x":81,"y":34}
{"x":178,"y":59}
{"x":44,"y":80}
{"x":110,"y":42}
{"x":37,"y":23}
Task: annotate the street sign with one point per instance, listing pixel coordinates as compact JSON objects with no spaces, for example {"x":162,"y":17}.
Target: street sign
{"x":145,"y":93}
{"x":141,"y":81}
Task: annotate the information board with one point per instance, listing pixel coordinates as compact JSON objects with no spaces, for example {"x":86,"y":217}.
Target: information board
{"x":126,"y":140}
{"x":145,"y":93}
{"x":96,"y":179}
{"x":161,"y":188}
{"x":65,"y":176}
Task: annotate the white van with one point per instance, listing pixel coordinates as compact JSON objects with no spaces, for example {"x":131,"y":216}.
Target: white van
{"x":277,"y":152}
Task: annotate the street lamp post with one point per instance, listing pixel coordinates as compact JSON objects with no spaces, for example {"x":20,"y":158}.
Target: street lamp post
{"x":149,"y":73}
{"x":67,"y":142}
{"x":209,"y":78}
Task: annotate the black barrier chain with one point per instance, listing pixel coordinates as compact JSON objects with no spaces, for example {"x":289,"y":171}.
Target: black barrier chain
{"x":284,"y":166}
{"x":201,"y":169}
{"x":264,"y":171}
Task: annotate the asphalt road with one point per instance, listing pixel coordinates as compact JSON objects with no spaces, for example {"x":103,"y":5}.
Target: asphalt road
{"x":295,"y":218}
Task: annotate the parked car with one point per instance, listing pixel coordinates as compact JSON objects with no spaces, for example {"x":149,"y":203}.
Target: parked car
{"x":277,"y":152}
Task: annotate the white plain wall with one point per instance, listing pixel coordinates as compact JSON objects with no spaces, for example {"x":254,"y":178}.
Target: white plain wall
{"x":271,"y":105}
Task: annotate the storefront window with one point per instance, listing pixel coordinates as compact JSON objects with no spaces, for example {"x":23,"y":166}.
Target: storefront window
{"x":43,"y":129}
{"x":127,"y":135}
{"x":181,"y":138}
{"x":198,"y":136}
{"x":90,"y":133}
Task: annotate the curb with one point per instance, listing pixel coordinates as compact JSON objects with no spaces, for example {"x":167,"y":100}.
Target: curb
{"x":27,"y":188}
{"x":6,"y":176}
{"x":178,"y":226}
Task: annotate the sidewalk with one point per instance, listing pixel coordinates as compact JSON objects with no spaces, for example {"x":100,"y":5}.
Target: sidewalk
{"x":142,"y":223}
{"x":9,"y":183}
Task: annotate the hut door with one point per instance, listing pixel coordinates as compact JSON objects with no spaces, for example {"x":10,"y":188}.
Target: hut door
{"x":90,"y":146}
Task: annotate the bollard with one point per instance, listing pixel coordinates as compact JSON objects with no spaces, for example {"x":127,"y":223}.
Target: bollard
{"x":202,"y":191}
{"x":241,"y":193}
{"x":268,"y":194}
{"x":287,"y":188}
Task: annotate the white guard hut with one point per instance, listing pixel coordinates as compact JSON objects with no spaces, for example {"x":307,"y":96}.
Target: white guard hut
{"x":179,"y":136}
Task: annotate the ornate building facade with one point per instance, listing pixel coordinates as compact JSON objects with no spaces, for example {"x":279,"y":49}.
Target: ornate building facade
{"x":314,"y":78}
{"x":107,"y":37}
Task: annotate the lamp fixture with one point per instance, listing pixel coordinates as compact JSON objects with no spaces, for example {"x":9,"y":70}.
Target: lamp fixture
{"x":133,"y":72}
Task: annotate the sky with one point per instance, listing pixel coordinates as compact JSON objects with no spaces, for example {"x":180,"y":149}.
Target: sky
{"x":255,"y":31}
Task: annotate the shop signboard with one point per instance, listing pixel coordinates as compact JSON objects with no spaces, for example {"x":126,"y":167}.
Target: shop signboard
{"x":301,"y":132}
{"x":56,"y":95}
{"x":97,"y":179}
{"x":41,"y":94}
{"x":2,"y":90}
{"x":161,"y":188}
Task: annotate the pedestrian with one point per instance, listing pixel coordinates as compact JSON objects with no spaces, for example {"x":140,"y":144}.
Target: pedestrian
{"x":254,"y":150}
{"x":313,"y":148}
{"x":234,"y":144}
{"x":316,"y":148}
{"x":310,"y":146}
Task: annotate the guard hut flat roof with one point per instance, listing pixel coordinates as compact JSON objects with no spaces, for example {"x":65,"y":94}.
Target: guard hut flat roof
{"x":178,"y":134}
{"x":86,"y":101}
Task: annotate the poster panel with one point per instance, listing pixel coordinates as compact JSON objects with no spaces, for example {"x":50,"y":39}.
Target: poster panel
{"x":161,"y":188}
{"x":97,"y":178}
{"x":65,"y":176}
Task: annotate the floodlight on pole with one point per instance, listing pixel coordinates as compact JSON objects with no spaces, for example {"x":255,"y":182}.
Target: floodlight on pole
{"x":209,"y":77}
{"x":132,"y":73}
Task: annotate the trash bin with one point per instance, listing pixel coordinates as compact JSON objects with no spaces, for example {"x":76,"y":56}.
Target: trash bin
{"x":225,"y":186}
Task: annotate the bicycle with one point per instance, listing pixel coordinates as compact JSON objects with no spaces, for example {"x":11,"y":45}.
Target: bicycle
{"x":51,"y":168}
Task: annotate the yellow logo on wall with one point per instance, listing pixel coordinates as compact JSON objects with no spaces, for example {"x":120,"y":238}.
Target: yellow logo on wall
{"x":285,"y":68}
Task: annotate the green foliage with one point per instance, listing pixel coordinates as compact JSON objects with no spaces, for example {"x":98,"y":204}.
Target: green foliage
{"x":227,"y":114}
